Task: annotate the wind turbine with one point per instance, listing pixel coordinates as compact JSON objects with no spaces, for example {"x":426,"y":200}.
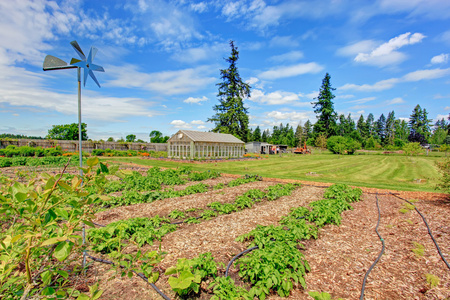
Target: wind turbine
{"x":53,"y":63}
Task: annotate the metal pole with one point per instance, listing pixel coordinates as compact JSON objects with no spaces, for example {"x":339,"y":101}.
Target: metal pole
{"x":80,"y":154}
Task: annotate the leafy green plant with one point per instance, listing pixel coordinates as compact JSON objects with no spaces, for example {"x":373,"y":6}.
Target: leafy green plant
{"x":190,"y":273}
{"x":418,"y":249}
{"x":224,"y":288}
{"x":277,"y":266}
{"x":177,"y":214}
{"x":321,"y":296}
{"x":432,"y":280}
{"x":41,"y":220}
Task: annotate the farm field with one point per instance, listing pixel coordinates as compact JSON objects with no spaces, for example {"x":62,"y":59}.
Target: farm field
{"x":397,"y":172}
{"x":184,"y":214}
{"x":339,"y":257}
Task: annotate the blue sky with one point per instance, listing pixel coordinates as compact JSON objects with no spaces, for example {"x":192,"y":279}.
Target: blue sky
{"x":162,"y":61}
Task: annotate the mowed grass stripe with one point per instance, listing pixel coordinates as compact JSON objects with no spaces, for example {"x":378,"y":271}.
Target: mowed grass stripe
{"x":382,"y":171}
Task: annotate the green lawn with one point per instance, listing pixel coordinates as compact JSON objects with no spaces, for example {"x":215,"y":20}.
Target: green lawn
{"x":382,"y":171}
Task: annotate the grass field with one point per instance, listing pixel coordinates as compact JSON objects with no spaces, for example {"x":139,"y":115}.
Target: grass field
{"x":399,"y":172}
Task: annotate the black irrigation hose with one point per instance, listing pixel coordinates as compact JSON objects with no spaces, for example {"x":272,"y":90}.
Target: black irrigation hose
{"x":99,"y":225}
{"x":379,"y":256}
{"x":237,"y":256}
{"x":429,"y":230}
{"x":142,"y":276}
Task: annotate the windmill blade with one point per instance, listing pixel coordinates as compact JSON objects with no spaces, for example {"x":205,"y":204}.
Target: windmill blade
{"x":94,"y":67}
{"x":54,"y":63}
{"x":92,"y":54}
{"x":93,"y":78}
{"x":78,"y":50}
{"x":85,"y":73}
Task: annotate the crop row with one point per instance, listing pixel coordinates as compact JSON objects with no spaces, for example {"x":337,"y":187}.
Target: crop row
{"x":142,"y":231}
{"x":276,"y":264}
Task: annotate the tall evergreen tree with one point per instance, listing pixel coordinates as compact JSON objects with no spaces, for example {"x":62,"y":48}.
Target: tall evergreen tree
{"x":326,"y":120}
{"x":401,"y":130}
{"x":419,"y":125}
{"x":257,"y":135}
{"x":361,"y":127}
{"x":380,"y":128}
{"x":231,"y":115}
{"x":308,"y":129}
{"x":370,"y":125}
{"x":390,"y":128}
{"x":299,"y":135}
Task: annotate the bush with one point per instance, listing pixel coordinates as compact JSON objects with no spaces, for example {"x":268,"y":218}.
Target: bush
{"x":341,"y":145}
{"x":98,"y":152}
{"x":5,"y":162}
{"x":57,"y":151}
{"x":413,"y":148}
{"x":444,"y":168}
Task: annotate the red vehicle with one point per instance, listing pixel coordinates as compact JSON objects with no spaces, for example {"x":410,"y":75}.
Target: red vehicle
{"x":302,"y":150}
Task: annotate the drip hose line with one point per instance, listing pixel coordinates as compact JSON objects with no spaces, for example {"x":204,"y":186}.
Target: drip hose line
{"x":237,"y":256}
{"x":429,"y":230}
{"x":379,"y":255}
{"x":142,"y":276}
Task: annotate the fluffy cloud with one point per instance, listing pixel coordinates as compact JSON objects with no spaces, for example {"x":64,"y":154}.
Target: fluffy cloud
{"x":287,"y":57}
{"x":362,"y":100}
{"x":195,"y":100}
{"x":389,"y":83}
{"x":165,"y":82}
{"x":386,"y":53}
{"x":180,"y":124}
{"x":290,"y":71}
{"x":397,"y":100}
{"x":440,"y":59}
{"x":283,"y":42}
{"x":274,"y":98}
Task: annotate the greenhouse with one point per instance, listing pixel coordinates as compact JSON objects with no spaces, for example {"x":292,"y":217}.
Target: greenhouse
{"x":187,"y":144}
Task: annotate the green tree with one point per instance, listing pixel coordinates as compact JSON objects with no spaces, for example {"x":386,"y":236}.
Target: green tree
{"x":321,"y":141}
{"x":265,"y":136}
{"x":110,"y":139}
{"x":370,"y":127}
{"x":157,"y":137}
{"x":380,"y":128}
{"x":257,"y":134}
{"x":419,"y":125}
{"x":326,"y":120}
{"x":130,"y":138}
{"x":67,"y":132}
{"x":401,"y":130}
{"x":308,"y":129}
{"x":300,"y":136}
{"x":231,"y":114}
{"x":390,"y":128}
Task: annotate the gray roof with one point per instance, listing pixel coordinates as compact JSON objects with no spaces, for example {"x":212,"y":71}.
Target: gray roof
{"x":199,"y":136}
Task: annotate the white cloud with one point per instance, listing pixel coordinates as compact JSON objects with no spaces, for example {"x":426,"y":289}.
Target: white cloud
{"x":165,"y":82}
{"x":201,"y":53}
{"x":389,"y":83}
{"x":386,"y":53}
{"x":195,"y":100}
{"x":275,"y":117}
{"x":199,"y":7}
{"x":362,"y":100}
{"x":397,"y":100}
{"x":180,"y":124}
{"x":378,"y":86}
{"x":447,"y":108}
{"x":25,"y":89}
{"x":426,"y":74}
{"x":252,"y":80}
{"x":356,"y":48}
{"x":275,"y":98}
{"x":440,"y":59}
{"x":283,"y":42}
{"x":287,"y":57}
{"x":290,"y":71}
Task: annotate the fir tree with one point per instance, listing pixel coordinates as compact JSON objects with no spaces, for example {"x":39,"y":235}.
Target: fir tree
{"x":326,"y":122}
{"x":231,"y":114}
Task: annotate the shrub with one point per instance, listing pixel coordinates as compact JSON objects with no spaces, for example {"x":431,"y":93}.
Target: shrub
{"x":5,"y":162}
{"x":98,"y":152}
{"x":413,"y":148}
{"x":444,"y":168}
